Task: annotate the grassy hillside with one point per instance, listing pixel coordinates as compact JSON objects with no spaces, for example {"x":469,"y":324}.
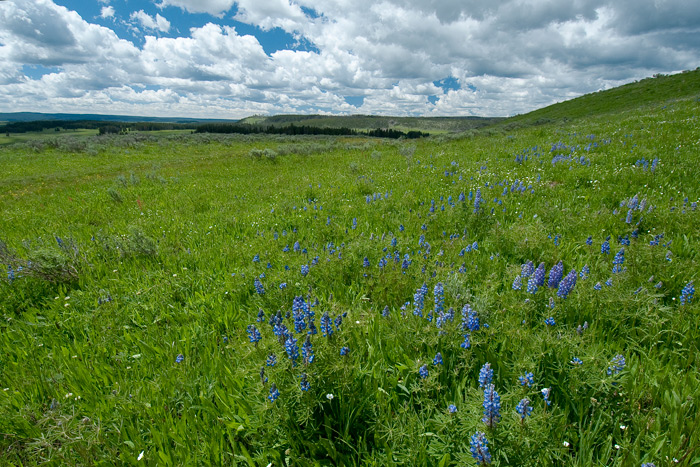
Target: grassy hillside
{"x":660,"y":90}
{"x":201,"y":299}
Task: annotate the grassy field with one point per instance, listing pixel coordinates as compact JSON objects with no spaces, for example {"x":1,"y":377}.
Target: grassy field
{"x":195,"y":299}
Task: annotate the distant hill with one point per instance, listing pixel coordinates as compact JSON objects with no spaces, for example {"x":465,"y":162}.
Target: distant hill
{"x":659,"y":90}
{"x":371,"y":122}
{"x":38,"y":116}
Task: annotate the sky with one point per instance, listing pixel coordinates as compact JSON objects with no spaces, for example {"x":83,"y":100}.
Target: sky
{"x":232,"y":59}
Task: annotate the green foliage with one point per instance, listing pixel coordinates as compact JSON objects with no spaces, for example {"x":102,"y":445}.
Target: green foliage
{"x":128,"y":288}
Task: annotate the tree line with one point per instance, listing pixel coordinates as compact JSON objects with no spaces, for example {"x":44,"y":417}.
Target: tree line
{"x":247,"y":129}
{"x":103,"y":126}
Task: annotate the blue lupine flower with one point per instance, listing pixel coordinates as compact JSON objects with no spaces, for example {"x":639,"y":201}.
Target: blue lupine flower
{"x":423,"y":371}
{"x":365,"y":262}
{"x":555,"y":275}
{"x":485,"y":375}
{"x":304,"y":269}
{"x":528,"y":379}
{"x":618,"y":260}
{"x":283,"y":285}
{"x":470,"y":319}
{"x":539,"y":274}
{"x":385,"y":311}
{"x":354,"y":223}
{"x":290,"y":346}
{"x":418,"y":299}
{"x":326,"y":325}
{"x":527,"y":269}
{"x":259,"y":287}
{"x":550,"y":321}
{"x":261,"y":316}
{"x":179,"y":358}
{"x":617,"y":365}
{"x":605,"y":247}
{"x":576,"y":361}
{"x":597,"y":286}
{"x":467,"y":343}
{"x":532,"y":285}
{"x":256,"y":258}
{"x":524,"y":408}
{"x":687,"y":293}
{"x":452,"y":408}
{"x":477,"y":201}
{"x":344,"y":351}
{"x":339,"y":320}
{"x":271,"y":360}
{"x":297,"y":247}
{"x":567,"y":284}
{"x":10,"y":273}
{"x":439,"y":293}
{"x":545,"y":394}
{"x":253,"y":334}
{"x":589,"y":240}
{"x":274,"y":393}
{"x":517,"y":283}
{"x":263,"y":378}
{"x":609,"y":282}
{"x":305,"y":386}
{"x":628,"y":219}
{"x":438,"y":359}
{"x":492,"y":406}
{"x":648,"y":464}
{"x":585,"y":271}
{"x":307,"y":351}
{"x":479,"y":448}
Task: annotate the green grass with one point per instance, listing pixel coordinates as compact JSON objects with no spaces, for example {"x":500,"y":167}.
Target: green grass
{"x":142,"y":249}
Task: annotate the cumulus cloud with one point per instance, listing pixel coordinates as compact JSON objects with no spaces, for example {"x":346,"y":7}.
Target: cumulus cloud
{"x":501,"y":56}
{"x":107,"y":12}
{"x":149,"y":22}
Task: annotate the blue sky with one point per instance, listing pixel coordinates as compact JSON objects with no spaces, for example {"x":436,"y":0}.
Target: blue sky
{"x":231,"y":59}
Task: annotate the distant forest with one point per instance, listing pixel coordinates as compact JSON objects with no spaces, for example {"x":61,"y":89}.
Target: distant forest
{"x":247,"y":129}
{"x":102,"y":126}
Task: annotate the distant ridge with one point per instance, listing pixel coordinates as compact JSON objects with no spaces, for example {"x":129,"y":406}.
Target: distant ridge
{"x":39,"y":116}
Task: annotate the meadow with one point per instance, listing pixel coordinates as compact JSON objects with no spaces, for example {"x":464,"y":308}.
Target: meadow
{"x":522,"y":294}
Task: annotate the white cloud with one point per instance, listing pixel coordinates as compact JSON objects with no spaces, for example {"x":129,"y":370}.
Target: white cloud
{"x":515,"y":55}
{"x":107,"y":12}
{"x":149,"y":22}
{"x":213,"y":7}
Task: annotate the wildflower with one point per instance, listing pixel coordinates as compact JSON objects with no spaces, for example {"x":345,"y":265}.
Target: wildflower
{"x":597,"y":286}
{"x":304,"y":269}
{"x":326,"y":325}
{"x":385,"y":311}
{"x":452,"y":408}
{"x":365,"y":262}
{"x":609,"y":282}
{"x":290,"y":346}
{"x":477,"y":201}
{"x":528,"y":379}
{"x":466,"y":344}
{"x":555,"y":275}
{"x":305,"y":386}
{"x":253,"y":334}
{"x":259,"y":287}
{"x":485,"y":375}
{"x":576,"y":361}
{"x":261,"y":316}
{"x":418,"y":299}
{"x":617,"y":365}
{"x":307,"y":351}
{"x":179,"y":358}
{"x":567,"y":284}
{"x":545,"y":393}
{"x":423,"y":371}
{"x":517,"y":283}
{"x":538,"y":275}
{"x":589,"y":240}
{"x":550,"y":321}
{"x":263,"y":378}
{"x":492,"y":406}
{"x":585,"y":271}
{"x":470,"y":320}
{"x":439,"y":294}
{"x":524,"y":408}
{"x":274,"y":393}
{"x":532,"y":285}
{"x":329,"y":396}
{"x":256,"y":258}
{"x":438,"y":359}
{"x":605,"y":247}
{"x":580,"y":329}
{"x":479,"y":448}
{"x":344,"y":351}
{"x":687,"y":293}
{"x":618,"y":260}
{"x":271,"y":360}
